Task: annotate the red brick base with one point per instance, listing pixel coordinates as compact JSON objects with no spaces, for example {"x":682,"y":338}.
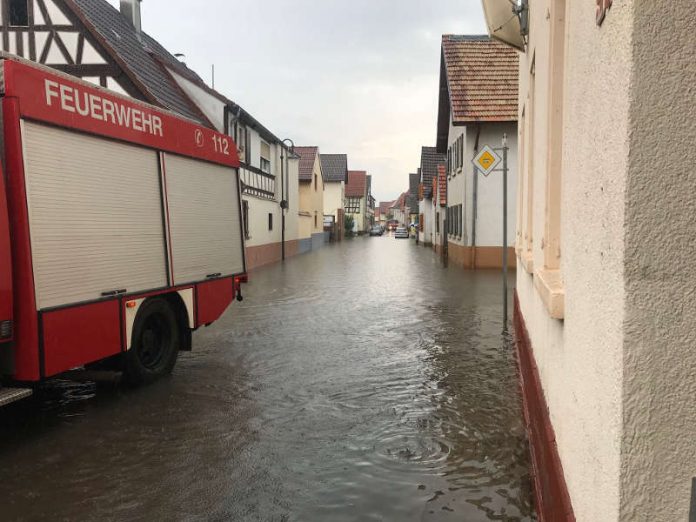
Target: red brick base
{"x":262,"y":255}
{"x":479,"y":257}
{"x":550,"y":489}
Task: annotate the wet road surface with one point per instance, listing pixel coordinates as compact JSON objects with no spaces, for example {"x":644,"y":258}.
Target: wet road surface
{"x":361,"y":382}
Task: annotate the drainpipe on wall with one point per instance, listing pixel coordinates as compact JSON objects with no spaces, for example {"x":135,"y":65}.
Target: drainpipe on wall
{"x":282,"y":203}
{"x":284,"y":167}
{"x":475,"y":202}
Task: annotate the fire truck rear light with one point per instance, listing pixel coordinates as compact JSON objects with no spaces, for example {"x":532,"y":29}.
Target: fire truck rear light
{"x":131,"y":304}
{"x":5,"y":329}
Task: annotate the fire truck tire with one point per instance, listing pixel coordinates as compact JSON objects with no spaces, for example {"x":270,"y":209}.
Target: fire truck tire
{"x":155,"y":346}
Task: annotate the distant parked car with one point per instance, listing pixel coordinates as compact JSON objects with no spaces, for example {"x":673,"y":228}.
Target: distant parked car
{"x":401,"y":233}
{"x":376,"y":231}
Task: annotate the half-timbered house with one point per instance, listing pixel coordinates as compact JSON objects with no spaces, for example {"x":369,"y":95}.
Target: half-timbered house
{"x":93,"y":40}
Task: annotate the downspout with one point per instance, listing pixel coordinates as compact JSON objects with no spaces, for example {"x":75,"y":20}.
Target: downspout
{"x":282,"y":201}
{"x":475,"y":202}
{"x":284,"y":174}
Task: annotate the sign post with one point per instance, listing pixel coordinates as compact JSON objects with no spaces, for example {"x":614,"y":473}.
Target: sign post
{"x":487,"y":161}
{"x":505,"y":241}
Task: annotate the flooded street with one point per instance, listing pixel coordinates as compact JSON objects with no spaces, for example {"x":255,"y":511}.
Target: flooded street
{"x":360,"y":382}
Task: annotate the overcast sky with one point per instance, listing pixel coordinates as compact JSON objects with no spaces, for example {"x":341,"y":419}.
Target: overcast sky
{"x":352,"y":76}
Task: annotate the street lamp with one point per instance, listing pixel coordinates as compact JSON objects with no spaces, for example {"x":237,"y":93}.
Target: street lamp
{"x":283,"y":189}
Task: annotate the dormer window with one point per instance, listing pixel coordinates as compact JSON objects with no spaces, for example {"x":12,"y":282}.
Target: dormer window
{"x":19,"y":13}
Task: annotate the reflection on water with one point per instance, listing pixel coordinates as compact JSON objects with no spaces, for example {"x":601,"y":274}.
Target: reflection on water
{"x":361,"y":382}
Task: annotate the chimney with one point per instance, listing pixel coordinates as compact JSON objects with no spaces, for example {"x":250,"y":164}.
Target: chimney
{"x":130,"y":9}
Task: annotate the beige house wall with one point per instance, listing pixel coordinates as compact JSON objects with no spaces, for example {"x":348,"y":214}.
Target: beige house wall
{"x":580,"y":358}
{"x":305,"y":225}
{"x":659,"y":350}
{"x":312,"y":199}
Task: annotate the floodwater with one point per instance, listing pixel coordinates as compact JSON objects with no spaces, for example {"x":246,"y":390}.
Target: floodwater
{"x":362,"y":382}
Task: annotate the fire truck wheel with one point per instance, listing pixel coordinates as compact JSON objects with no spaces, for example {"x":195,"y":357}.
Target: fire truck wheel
{"x":155,"y":345}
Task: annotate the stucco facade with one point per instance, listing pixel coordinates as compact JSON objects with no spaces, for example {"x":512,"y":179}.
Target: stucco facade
{"x":334,"y":195}
{"x":479,"y":199}
{"x":312,"y":204}
{"x":605,"y":233}
{"x":425,"y":227}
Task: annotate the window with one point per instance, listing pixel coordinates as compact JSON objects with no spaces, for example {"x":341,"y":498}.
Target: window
{"x":552,"y":228}
{"x":316,"y":222}
{"x":265,"y":162}
{"x":316,"y":183}
{"x":449,"y":162}
{"x":19,"y":13}
{"x":460,"y":231}
{"x":353,"y":205}
{"x":529,"y":181}
{"x":454,"y":221}
{"x":245,"y":218}
{"x":270,"y":221}
{"x":437,"y":222}
{"x":257,"y":183}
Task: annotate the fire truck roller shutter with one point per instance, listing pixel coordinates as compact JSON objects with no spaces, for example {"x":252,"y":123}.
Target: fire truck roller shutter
{"x":95,"y":212}
{"x":204,"y":219}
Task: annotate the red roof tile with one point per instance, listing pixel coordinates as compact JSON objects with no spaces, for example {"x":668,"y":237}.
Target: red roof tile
{"x":308,"y":156}
{"x":384,"y":206}
{"x":482,"y":78}
{"x":442,"y":181}
{"x":357,"y":184}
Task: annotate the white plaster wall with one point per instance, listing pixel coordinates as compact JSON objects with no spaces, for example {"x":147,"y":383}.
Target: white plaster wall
{"x":359,"y":219}
{"x":489,"y":225}
{"x":458,"y":185}
{"x":292,"y":219}
{"x":334,"y":195}
{"x":659,"y":388}
{"x":258,"y":221}
{"x":580,"y":359}
{"x":212,"y":107}
{"x":425,"y":207}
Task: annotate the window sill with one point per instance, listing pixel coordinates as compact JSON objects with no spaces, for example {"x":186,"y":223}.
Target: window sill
{"x":549,"y":284}
{"x":527,"y":261}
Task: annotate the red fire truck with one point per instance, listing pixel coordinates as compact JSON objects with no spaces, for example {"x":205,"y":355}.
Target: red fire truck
{"x":120,"y":230}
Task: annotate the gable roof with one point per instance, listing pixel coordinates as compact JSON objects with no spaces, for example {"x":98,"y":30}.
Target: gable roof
{"x":479,"y":80}
{"x":430,"y":159}
{"x":384,"y":206}
{"x":357,"y":184}
{"x":308,"y":156}
{"x":119,"y":38}
{"x":170,"y":63}
{"x":147,"y":64}
{"x":412,"y":199}
{"x":334,"y":167}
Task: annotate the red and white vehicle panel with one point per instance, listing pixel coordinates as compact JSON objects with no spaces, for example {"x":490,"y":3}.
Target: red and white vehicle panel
{"x":104,"y":202}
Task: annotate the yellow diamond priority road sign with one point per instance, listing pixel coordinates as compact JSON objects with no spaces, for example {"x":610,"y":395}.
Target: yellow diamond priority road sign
{"x":486,"y":160}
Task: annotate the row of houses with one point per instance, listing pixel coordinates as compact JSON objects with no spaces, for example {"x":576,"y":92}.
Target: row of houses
{"x":457,"y":211}
{"x":293,"y":196}
{"x":596,"y":102}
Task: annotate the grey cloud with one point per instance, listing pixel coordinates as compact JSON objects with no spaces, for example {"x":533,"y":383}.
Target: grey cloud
{"x":358,"y":77}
